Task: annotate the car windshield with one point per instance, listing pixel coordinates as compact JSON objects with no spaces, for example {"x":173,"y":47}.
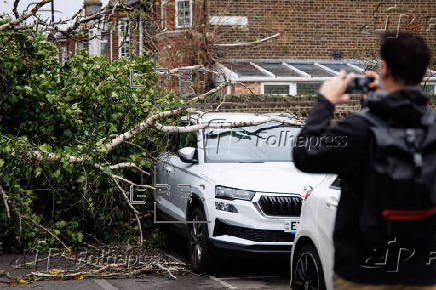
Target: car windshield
{"x":270,"y":142}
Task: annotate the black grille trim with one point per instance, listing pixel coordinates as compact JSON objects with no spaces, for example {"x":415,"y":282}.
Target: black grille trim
{"x":280,"y":205}
{"x":255,"y":235}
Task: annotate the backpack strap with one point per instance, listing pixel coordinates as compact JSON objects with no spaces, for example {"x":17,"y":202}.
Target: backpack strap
{"x":372,"y":118}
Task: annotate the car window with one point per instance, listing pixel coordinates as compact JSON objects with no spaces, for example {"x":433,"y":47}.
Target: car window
{"x":269,"y":142}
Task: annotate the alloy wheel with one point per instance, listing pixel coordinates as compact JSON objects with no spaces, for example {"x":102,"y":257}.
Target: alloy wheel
{"x":307,"y":274}
{"x":196,"y":240}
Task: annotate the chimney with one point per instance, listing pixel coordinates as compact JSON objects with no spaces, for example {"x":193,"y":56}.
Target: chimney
{"x":91,"y":6}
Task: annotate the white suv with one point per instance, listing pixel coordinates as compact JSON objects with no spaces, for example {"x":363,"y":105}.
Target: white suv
{"x":233,"y":189}
{"x":312,"y":254}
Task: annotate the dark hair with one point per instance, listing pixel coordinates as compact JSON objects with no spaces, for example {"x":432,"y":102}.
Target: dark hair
{"x":407,"y":56}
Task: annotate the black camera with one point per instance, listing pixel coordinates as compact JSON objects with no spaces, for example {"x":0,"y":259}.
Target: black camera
{"x":360,"y":85}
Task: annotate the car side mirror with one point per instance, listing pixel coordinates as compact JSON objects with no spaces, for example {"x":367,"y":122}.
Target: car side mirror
{"x":187,"y":154}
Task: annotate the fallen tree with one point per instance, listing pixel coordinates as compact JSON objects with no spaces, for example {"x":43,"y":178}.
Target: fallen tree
{"x":54,"y":121}
{"x":75,"y":136}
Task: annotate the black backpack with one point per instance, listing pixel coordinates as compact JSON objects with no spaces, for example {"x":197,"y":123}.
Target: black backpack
{"x":399,"y":199}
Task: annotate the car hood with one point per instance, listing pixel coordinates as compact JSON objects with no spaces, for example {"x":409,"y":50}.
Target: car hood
{"x":280,"y":177}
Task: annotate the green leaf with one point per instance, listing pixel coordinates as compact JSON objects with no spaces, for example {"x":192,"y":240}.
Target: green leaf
{"x":56,"y":174}
{"x":61,"y":224}
{"x":45,"y":148}
{"x":79,"y":237}
{"x":38,"y":171}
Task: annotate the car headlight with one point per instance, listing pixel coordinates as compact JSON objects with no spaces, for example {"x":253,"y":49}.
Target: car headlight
{"x":232,"y":193}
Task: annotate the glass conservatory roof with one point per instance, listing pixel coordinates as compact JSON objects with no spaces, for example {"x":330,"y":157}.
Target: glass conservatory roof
{"x":295,"y":70}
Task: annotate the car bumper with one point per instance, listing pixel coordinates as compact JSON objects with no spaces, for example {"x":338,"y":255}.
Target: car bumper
{"x":249,"y":229}
{"x":255,"y":248}
{"x":251,"y":240}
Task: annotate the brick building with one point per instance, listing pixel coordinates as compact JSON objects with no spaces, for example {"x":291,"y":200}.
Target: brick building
{"x":309,"y":40}
{"x":309,"y":29}
{"x":316,"y":29}
{"x":115,"y":36}
{"x":316,"y":38}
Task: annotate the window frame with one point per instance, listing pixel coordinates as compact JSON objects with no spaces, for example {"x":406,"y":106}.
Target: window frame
{"x":82,"y":44}
{"x":104,"y":40}
{"x":123,"y":41}
{"x":164,"y":15}
{"x":308,"y":82}
{"x":177,"y":14}
{"x":292,"y":88}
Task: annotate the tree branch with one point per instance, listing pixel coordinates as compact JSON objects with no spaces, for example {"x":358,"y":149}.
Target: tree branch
{"x":47,"y":230}
{"x":167,"y":270}
{"x":5,"y":201}
{"x":23,"y":17}
{"x":135,"y":212}
{"x":149,"y":122}
{"x":224,"y":125}
{"x":247,"y":43}
{"x":15,"y":9}
{"x":128,"y":165}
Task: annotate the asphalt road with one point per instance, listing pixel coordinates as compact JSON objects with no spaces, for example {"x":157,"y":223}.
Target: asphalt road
{"x":155,"y":282}
{"x":240,"y":273}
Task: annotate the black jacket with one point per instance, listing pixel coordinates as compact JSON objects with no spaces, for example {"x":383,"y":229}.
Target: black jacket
{"x":344,"y":150}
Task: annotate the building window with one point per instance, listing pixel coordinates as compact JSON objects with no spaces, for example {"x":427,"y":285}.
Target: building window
{"x":125,"y":50}
{"x":278,"y":89}
{"x":183,"y":13}
{"x":163,"y":15}
{"x":123,"y":37}
{"x":82,"y":45}
{"x":308,"y":88}
{"x":63,"y":52}
{"x":104,"y":43}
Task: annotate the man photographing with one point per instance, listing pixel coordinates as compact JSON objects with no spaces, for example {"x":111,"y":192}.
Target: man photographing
{"x":386,"y":217}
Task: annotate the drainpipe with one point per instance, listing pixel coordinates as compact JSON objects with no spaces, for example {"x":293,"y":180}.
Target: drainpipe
{"x":141,"y":35}
{"x":208,"y":61}
{"x":110,"y":41}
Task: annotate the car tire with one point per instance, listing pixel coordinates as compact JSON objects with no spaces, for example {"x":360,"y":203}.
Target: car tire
{"x":307,"y":271}
{"x":199,"y":249}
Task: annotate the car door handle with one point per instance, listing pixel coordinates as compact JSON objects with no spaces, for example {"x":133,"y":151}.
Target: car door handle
{"x":332,"y":202}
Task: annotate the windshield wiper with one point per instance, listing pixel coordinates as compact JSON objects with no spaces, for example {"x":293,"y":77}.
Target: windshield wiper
{"x":257,"y":131}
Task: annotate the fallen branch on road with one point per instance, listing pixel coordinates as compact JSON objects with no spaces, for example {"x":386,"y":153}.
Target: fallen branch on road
{"x":166,"y":269}
{"x":112,"y":262}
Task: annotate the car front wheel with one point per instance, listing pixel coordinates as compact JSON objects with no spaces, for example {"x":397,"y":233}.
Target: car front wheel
{"x":200,"y":254}
{"x":307,"y":270}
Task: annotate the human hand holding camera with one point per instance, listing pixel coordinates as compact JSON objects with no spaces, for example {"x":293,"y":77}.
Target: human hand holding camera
{"x":375,"y":84}
{"x":336,"y":90}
